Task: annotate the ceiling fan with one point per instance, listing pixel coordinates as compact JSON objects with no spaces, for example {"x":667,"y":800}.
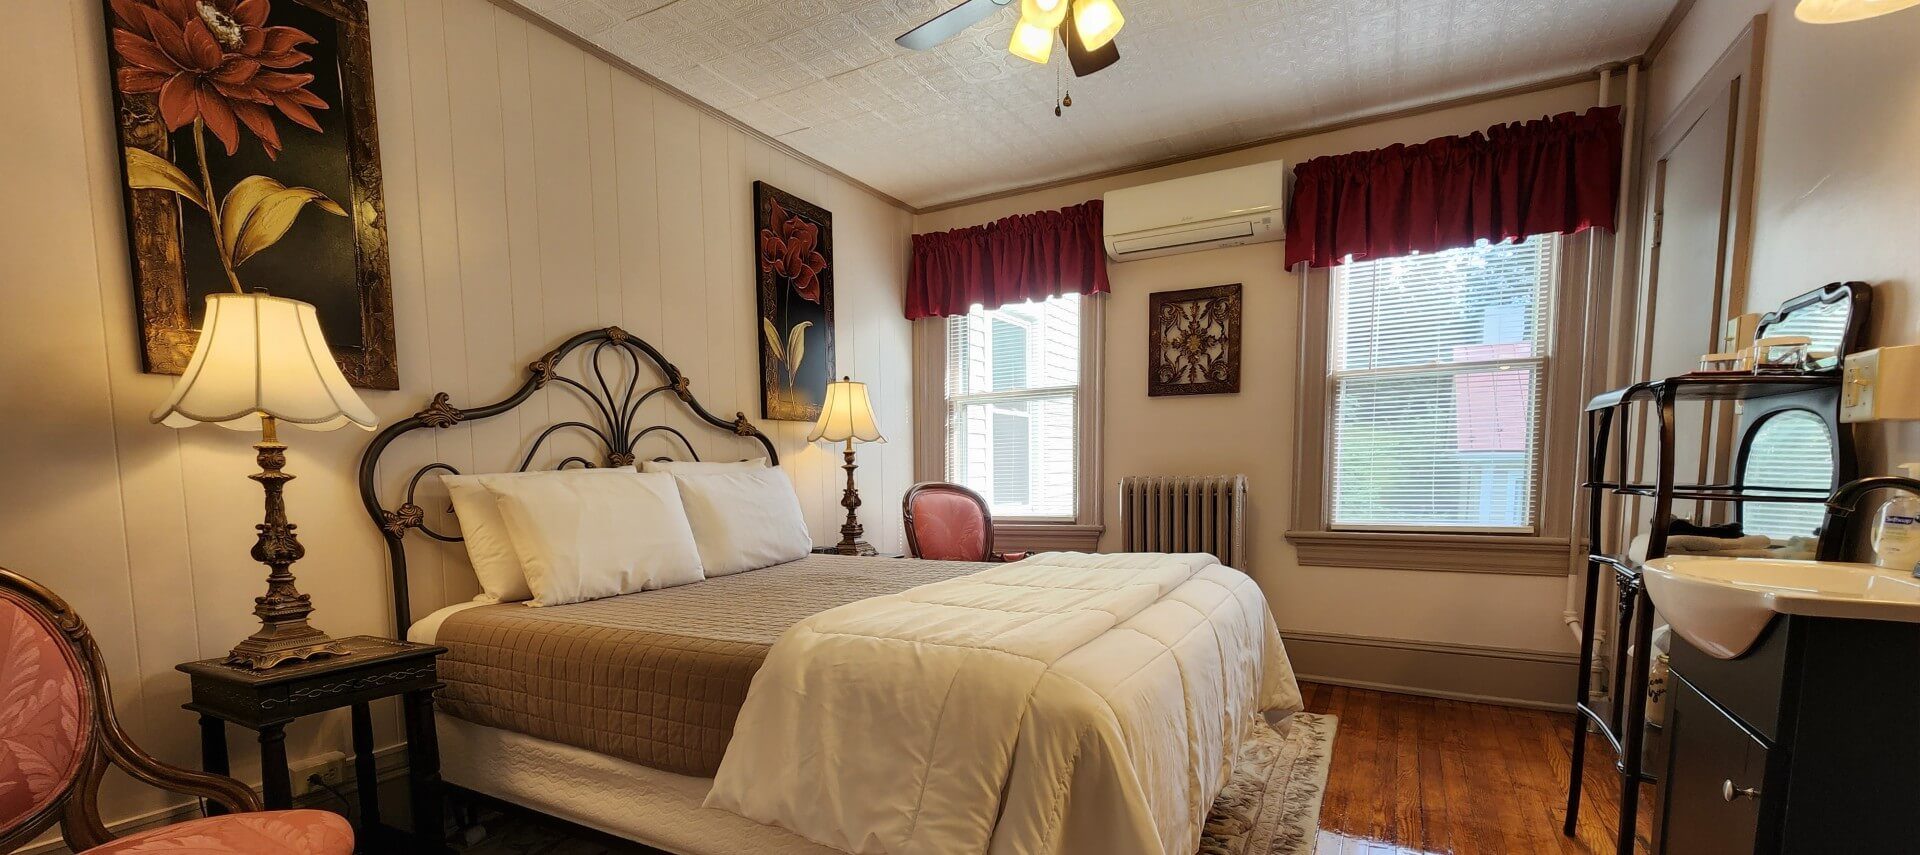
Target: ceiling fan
{"x":1088,"y":32}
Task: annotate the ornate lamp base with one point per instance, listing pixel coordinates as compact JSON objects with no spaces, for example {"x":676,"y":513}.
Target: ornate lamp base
{"x":285,"y":635}
{"x":853,"y":547}
{"x":850,"y":533}
{"x":276,"y":645}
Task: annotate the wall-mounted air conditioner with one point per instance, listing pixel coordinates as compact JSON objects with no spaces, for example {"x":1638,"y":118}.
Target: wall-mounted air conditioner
{"x":1226,"y":208}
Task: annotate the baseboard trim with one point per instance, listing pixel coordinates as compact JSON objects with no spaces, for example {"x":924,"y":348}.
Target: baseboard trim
{"x":1506,"y":676}
{"x":389,"y":763}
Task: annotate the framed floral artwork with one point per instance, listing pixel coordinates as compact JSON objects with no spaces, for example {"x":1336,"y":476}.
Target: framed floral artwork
{"x":793,"y":248}
{"x":1193,"y":341}
{"x":251,"y":162}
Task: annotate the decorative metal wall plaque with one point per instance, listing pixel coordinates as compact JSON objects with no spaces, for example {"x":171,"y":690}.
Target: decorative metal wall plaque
{"x":1193,"y":341}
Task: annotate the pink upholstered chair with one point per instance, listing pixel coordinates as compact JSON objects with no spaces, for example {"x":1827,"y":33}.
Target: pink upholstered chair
{"x":58,"y":733}
{"x":948,"y":522}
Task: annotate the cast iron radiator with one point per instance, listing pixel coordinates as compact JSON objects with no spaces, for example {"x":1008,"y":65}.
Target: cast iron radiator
{"x":1185,"y":513}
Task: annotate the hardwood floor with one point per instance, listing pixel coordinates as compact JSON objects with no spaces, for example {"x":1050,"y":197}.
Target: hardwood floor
{"x":1422,"y":775}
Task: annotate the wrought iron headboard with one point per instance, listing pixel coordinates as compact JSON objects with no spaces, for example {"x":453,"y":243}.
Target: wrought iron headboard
{"x":616,"y":407}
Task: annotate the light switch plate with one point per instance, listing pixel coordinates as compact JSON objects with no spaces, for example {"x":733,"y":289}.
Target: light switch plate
{"x":1882,"y":384}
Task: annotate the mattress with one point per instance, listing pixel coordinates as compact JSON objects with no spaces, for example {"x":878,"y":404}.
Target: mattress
{"x":627,"y":800}
{"x":655,"y":678}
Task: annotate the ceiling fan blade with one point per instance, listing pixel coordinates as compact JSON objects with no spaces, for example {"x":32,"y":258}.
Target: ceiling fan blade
{"x":1085,"y":61}
{"x":948,"y":24}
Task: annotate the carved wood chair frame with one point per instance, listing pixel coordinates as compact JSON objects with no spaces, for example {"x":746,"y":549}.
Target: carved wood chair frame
{"x":102,"y":741}
{"x":986,"y":513}
{"x":616,"y":407}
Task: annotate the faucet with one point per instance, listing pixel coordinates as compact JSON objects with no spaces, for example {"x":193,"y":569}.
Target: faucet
{"x":1845,"y":501}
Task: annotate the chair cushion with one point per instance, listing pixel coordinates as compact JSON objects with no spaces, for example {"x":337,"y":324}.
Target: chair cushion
{"x":283,"y":832}
{"x":949,"y":526}
{"x":43,"y":723}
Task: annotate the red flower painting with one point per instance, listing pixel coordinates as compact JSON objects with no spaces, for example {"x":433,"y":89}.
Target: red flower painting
{"x":789,"y":248}
{"x":218,"y":62}
{"x":216,"y":65}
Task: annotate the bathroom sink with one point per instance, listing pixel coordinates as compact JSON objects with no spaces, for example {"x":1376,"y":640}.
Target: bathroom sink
{"x":1722,"y":604}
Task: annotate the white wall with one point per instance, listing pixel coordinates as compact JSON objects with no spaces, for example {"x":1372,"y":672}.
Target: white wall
{"x":532,"y":191}
{"x":1252,"y":432}
{"x":1837,"y":193}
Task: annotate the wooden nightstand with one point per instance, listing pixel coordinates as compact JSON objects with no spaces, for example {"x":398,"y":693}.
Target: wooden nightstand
{"x":373,"y":668}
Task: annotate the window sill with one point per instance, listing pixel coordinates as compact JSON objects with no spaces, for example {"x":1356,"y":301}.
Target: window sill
{"x":1045,"y":537}
{"x":1507,"y":555}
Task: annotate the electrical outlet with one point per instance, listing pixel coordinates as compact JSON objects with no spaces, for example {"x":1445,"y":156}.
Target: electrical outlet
{"x":331,"y":767}
{"x":1877,"y":384}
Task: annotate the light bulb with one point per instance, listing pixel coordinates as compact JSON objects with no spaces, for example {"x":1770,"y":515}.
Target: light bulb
{"x":1031,"y":42}
{"x":1098,"y":21}
{"x":1043,"y":13}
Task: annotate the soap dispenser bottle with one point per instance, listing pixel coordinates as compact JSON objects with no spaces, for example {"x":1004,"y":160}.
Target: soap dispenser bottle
{"x":1896,"y":534}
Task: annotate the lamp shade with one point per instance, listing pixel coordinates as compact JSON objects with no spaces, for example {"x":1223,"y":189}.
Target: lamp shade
{"x":847,"y":414}
{"x":1097,"y":22}
{"x":262,"y":355}
{"x":1031,"y":42}
{"x":1844,"y":11}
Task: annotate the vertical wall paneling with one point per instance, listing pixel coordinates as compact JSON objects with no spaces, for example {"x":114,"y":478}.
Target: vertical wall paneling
{"x":717,"y":394}
{"x":526,"y":298}
{"x":531,"y":191}
{"x":476,"y":128}
{"x":158,"y":564}
{"x":393,"y":95}
{"x":639,"y":207}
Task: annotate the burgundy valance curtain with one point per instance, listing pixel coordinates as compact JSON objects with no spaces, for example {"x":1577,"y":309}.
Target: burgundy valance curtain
{"x":1012,"y":260}
{"x":1559,"y":174}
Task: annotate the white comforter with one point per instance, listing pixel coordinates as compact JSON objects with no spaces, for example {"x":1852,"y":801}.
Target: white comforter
{"x":1067,"y":703}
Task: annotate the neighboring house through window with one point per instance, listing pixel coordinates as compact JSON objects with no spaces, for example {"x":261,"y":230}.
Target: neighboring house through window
{"x":1011,"y":417}
{"x":1428,"y":390}
{"x":1012,"y":390}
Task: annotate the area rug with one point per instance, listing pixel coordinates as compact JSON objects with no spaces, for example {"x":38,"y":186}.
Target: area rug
{"x":1270,"y":807}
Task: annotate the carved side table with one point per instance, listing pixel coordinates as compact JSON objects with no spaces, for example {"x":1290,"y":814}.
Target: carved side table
{"x":373,"y":668}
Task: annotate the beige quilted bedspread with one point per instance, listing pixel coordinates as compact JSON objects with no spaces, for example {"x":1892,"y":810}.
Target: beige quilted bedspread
{"x":657,"y":677}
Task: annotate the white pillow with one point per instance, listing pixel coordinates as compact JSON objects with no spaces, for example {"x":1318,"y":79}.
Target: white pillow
{"x":586,"y":538}
{"x":489,"y":547}
{"x":696,"y":467}
{"x":744,"y":520}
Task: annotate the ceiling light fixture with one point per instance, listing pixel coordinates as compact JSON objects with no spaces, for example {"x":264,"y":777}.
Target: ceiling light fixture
{"x":1098,"y":21}
{"x":1845,"y":11}
{"x":1087,"y":27}
{"x":1031,"y":42}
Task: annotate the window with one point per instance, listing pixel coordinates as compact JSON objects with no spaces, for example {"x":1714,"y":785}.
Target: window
{"x":1436,"y":367}
{"x":1433,"y":396}
{"x":1012,"y":407}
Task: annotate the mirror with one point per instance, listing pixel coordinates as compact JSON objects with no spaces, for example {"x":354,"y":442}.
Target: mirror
{"x":1792,"y":449}
{"x":1826,"y":317}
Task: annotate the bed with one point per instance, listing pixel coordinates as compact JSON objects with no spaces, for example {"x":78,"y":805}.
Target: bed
{"x":617,"y":714}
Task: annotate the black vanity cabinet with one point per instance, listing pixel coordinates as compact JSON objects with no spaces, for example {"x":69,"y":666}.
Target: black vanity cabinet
{"x":1808,"y":743}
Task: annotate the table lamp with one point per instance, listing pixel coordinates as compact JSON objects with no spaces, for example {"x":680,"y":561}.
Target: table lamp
{"x":847,"y":416}
{"x":261,"y":360}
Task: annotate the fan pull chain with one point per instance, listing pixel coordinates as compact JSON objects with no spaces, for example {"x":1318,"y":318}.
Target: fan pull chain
{"x":1058,"y":102}
{"x":1061,"y":100}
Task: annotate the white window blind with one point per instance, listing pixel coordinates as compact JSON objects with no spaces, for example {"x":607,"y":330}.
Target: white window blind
{"x":1436,"y":368}
{"x":1012,"y":392}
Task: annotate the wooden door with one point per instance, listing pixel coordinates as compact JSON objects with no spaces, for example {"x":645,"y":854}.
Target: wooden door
{"x":1700,"y":192}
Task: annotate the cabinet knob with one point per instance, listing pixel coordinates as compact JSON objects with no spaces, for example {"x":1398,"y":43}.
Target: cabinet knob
{"x":1729,"y":792}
